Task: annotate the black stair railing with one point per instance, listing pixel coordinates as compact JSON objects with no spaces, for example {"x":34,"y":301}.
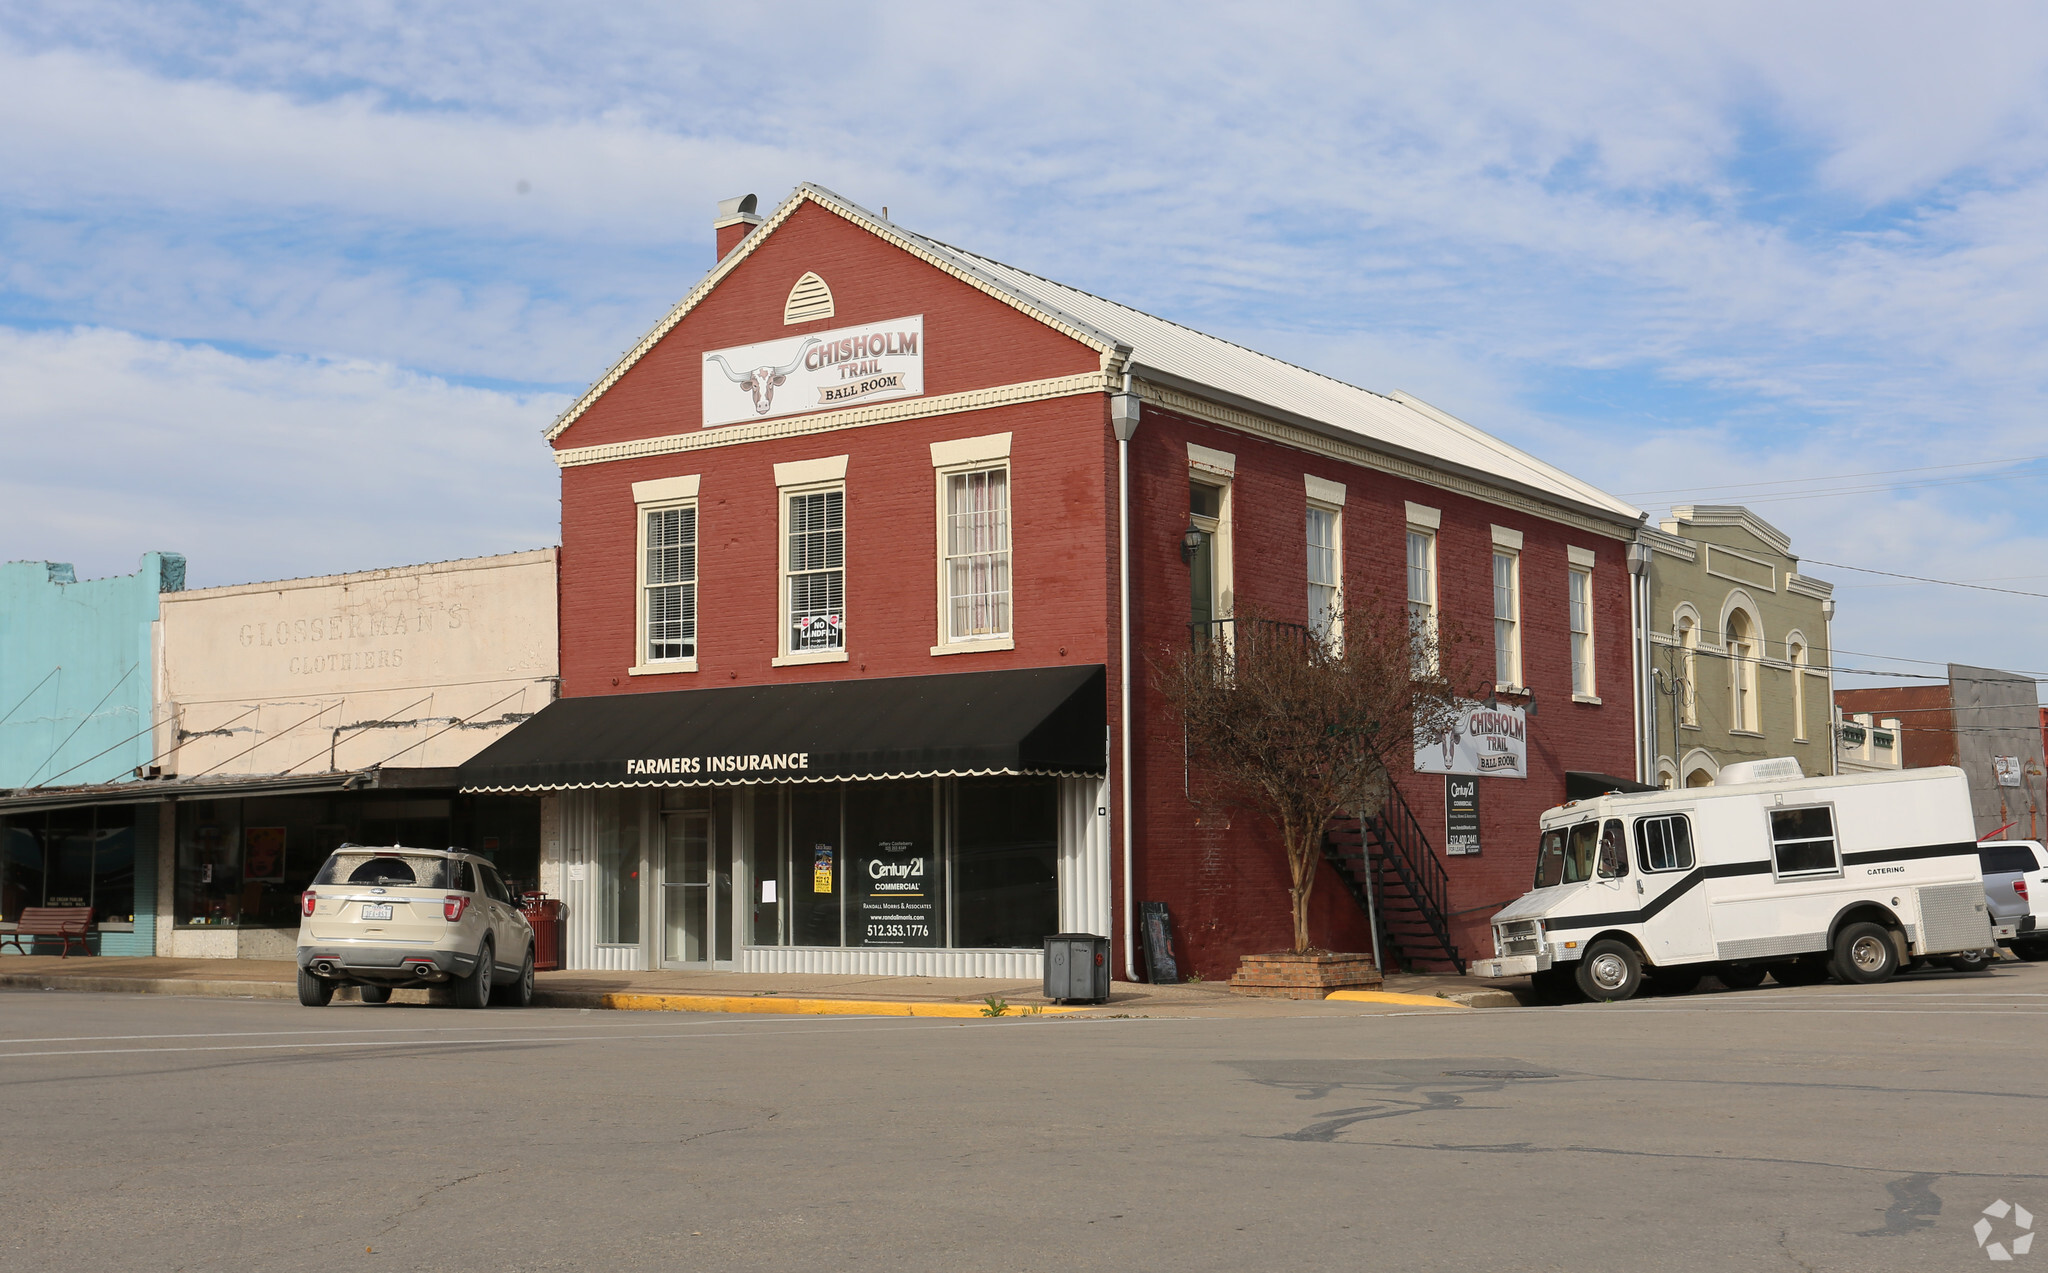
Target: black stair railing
{"x":1404,"y":843}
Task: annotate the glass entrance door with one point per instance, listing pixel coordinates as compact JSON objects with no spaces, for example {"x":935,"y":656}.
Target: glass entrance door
{"x":687,"y":915}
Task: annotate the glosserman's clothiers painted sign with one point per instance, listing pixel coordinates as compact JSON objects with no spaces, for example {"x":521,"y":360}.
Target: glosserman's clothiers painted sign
{"x":1491,"y":742}
{"x":844,"y":368}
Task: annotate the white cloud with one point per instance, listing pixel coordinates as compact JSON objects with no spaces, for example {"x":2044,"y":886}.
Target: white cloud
{"x":258,"y":468}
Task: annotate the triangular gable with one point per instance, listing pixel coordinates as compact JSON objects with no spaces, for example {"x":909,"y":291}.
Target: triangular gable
{"x":926,"y":250}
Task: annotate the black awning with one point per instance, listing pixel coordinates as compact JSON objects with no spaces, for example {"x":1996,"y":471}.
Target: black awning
{"x":1581,"y":785}
{"x":1037,"y":720}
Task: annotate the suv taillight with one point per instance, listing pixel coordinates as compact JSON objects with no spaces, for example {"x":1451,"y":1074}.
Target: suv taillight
{"x":2020,"y":887}
{"x":453,"y":906}
{"x":306,"y":901}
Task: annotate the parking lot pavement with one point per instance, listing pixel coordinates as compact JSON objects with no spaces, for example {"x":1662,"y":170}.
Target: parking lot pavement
{"x":1828,"y":1127}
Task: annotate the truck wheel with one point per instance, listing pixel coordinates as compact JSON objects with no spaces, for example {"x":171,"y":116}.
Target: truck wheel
{"x":1864,"y":954}
{"x":1971,"y":961}
{"x":1609,"y":972}
{"x":376,"y":994}
{"x":474,"y":991}
{"x":1744,"y":977}
{"x":314,"y":992}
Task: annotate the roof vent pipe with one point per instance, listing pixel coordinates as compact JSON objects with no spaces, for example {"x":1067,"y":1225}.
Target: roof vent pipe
{"x":736,"y":218}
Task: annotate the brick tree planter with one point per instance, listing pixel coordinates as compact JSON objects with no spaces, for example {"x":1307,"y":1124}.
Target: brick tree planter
{"x":1285,"y":975}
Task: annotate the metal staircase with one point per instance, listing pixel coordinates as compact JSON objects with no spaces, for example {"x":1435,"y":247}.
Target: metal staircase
{"x":1391,"y":870}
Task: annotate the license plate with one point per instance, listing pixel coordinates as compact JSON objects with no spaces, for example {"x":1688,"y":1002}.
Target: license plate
{"x":376,"y":910}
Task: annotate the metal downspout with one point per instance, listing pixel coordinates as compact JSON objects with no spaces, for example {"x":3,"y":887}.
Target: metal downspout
{"x":1123,"y":414}
{"x":1645,"y":683}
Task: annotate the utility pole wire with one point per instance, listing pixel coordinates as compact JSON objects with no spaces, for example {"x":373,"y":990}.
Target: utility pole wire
{"x":59,"y":748}
{"x":1951,"y":583}
{"x":32,"y":693}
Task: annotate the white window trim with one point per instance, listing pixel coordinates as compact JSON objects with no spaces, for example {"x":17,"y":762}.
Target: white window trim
{"x":1214,"y":463}
{"x":1514,"y":686}
{"x":1428,"y":530}
{"x":1796,"y":658}
{"x":810,"y":477}
{"x":649,"y":497}
{"x":1591,"y":694}
{"x":1226,"y":589}
{"x":1423,"y":517}
{"x":971,"y":455}
{"x":1508,"y":539}
{"x":1336,"y":512}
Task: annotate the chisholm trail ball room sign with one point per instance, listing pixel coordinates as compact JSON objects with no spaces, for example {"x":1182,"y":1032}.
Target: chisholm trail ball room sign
{"x":1490,"y":742}
{"x":843,"y":368}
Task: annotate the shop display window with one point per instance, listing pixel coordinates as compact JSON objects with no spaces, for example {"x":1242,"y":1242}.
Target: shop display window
{"x":243,"y":863}
{"x":966,"y":863}
{"x":70,"y":857}
{"x":617,"y":859}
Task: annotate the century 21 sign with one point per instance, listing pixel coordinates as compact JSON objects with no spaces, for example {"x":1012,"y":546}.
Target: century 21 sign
{"x":843,"y":368}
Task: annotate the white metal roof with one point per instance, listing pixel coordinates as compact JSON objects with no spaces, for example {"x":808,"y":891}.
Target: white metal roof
{"x":1396,"y":423}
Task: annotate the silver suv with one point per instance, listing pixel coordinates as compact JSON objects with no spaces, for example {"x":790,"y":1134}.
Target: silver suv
{"x":381,"y":918}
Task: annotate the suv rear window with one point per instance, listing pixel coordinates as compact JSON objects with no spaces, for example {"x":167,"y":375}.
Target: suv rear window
{"x":370,"y":866}
{"x":2006,"y":857}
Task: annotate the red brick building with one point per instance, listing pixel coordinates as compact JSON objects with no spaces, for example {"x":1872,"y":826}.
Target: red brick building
{"x":844,"y":553}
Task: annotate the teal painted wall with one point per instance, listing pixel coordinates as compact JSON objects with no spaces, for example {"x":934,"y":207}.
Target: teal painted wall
{"x":76,"y":676}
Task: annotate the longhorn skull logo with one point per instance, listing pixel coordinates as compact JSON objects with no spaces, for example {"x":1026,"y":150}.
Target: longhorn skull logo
{"x":762,"y":382}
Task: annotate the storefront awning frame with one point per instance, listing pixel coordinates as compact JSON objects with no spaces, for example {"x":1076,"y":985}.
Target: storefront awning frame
{"x":160,"y":790}
{"x":1033,"y":721}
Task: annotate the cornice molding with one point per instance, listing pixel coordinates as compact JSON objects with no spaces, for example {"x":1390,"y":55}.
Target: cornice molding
{"x":832,"y":421}
{"x":1301,"y":439}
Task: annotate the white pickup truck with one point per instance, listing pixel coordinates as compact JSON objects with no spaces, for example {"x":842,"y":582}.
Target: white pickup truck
{"x":2016,"y":887}
{"x":1767,"y":871}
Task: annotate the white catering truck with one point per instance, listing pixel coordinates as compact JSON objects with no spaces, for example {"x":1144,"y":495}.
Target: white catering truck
{"x":1766,"y":871}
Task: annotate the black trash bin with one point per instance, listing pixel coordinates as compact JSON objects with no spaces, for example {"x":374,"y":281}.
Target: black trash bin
{"x":1077,"y":968}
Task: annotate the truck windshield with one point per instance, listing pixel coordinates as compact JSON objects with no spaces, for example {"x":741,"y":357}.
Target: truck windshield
{"x":1567,"y":855}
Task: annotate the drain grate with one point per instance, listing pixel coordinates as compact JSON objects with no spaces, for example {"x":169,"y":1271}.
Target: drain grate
{"x":1499,"y":1074}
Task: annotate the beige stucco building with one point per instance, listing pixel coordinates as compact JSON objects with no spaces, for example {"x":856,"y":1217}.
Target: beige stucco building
{"x":298,"y":714}
{"x":1737,"y":645}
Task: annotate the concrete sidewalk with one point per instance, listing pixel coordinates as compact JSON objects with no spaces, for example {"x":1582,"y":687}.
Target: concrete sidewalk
{"x":752,"y":992}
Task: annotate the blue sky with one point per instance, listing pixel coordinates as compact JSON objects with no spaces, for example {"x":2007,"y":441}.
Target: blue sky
{"x":296,"y":291}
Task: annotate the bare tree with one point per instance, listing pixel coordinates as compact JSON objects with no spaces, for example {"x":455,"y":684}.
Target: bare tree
{"x":1304,"y":729}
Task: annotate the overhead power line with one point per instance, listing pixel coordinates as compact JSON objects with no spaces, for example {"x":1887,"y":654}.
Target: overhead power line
{"x":1951,"y":583}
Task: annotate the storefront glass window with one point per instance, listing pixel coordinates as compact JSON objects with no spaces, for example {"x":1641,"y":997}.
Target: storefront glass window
{"x":617,"y":862}
{"x":1006,"y":862}
{"x":894,"y":885}
{"x":764,"y":868}
{"x":815,"y":868}
{"x":70,"y":857}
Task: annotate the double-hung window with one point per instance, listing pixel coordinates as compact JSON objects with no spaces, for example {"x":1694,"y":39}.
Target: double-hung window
{"x":1325,"y":560}
{"x":667,"y":573}
{"x":813,"y":582}
{"x":1507,"y":619}
{"x":671,"y":583}
{"x":815,"y":570}
{"x":977,"y":554}
{"x":976,"y":603}
{"x":1579,"y":592}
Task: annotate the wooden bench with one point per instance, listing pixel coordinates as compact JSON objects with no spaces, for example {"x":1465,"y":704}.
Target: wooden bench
{"x":65,"y":923}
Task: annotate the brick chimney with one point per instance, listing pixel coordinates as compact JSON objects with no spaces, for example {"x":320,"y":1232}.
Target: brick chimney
{"x":735,"y":220}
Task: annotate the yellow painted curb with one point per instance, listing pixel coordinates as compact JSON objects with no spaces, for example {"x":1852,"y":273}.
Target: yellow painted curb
{"x":1388,"y":996}
{"x":775,"y":1005}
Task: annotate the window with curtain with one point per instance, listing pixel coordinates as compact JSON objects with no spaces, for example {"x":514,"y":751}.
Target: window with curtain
{"x":815,"y":566}
{"x":1322,"y":572}
{"x":977,"y":548}
{"x":1582,"y":631}
{"x":671,"y":584}
{"x":1507,"y":620}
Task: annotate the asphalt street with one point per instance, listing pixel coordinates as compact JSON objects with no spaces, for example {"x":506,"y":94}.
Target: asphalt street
{"x":1829,"y":1127}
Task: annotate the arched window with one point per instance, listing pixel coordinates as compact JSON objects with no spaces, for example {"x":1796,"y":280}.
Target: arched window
{"x":1742,"y":656}
{"x":1688,"y":671}
{"x":1795,"y":654}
